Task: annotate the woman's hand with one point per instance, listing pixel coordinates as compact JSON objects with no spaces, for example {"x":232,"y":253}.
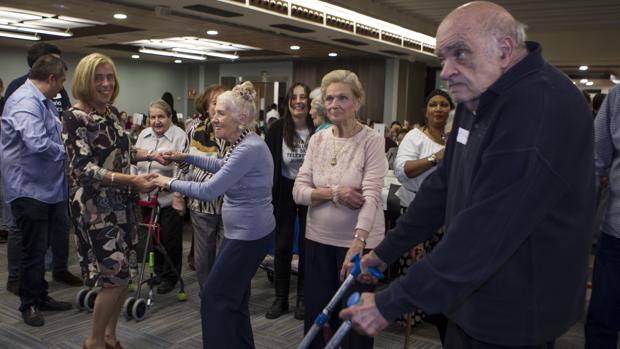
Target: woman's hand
{"x":144,"y":183}
{"x":357,"y":246}
{"x":178,"y":204}
{"x":159,"y":157}
{"x":439,"y":154}
{"x":349,"y":196}
{"x":171,"y":155}
{"x":162,"y":182}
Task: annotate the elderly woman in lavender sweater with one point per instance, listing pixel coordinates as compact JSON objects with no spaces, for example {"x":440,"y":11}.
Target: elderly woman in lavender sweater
{"x":245,"y":178}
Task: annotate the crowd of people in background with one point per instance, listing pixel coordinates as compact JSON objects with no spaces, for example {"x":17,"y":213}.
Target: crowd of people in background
{"x":498,"y":208}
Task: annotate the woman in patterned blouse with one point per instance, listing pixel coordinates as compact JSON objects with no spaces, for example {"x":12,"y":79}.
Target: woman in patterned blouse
{"x":100,"y":155}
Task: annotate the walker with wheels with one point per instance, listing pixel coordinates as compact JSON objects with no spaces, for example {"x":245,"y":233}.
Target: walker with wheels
{"x":135,"y":307}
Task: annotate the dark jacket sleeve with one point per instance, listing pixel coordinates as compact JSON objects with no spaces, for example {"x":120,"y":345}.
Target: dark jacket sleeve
{"x":423,"y":217}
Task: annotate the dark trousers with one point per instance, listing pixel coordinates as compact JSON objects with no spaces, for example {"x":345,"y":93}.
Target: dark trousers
{"x":323,"y":264}
{"x":59,"y":245}
{"x":286,"y":210}
{"x":456,"y":338}
{"x":224,"y":299}
{"x":171,"y":238}
{"x":603,"y":321}
{"x":38,"y":223}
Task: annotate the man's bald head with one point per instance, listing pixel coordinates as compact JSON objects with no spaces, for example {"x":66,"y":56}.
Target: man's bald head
{"x":477,"y":43}
{"x":486,"y":18}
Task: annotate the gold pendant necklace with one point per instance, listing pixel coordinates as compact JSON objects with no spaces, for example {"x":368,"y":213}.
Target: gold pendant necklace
{"x":335,"y":152}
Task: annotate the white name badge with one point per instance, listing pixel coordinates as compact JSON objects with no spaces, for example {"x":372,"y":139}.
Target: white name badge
{"x":462,"y":136}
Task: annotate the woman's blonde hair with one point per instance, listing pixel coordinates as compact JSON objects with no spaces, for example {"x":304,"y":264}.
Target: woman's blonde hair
{"x":347,"y":77}
{"x":83,"y":86}
{"x":241,"y":100}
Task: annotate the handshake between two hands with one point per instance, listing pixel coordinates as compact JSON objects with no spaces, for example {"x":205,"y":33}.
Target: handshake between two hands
{"x":148,"y":182}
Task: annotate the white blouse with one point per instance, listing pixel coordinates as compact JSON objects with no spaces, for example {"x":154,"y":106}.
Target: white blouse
{"x":416,"y":145}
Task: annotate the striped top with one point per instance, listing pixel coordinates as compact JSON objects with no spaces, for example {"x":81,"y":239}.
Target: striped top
{"x":607,"y":158}
{"x":203,"y":143}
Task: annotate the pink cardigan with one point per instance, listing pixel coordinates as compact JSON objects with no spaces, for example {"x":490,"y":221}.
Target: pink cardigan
{"x":361,"y":163}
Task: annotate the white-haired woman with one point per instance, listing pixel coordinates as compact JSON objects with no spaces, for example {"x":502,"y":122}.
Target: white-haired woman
{"x":341,"y":181}
{"x":318,"y":113}
{"x":163,"y":135}
{"x":245,"y":178}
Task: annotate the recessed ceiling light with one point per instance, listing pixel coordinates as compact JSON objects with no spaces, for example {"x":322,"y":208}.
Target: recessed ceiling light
{"x":295,"y":47}
{"x":583,"y":67}
{"x":589,"y":83}
{"x":178,"y":61}
{"x":120,"y":16}
{"x":332,"y":54}
{"x":583,"y":81}
{"x":135,"y":56}
{"x":212,"y":32}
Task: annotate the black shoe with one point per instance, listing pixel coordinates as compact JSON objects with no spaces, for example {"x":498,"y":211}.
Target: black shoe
{"x":279,"y":307}
{"x":67,"y":278}
{"x":13,"y":287}
{"x":165,"y":287}
{"x":4,"y":236}
{"x":33,"y":317}
{"x":50,"y":304}
{"x":300,"y":310}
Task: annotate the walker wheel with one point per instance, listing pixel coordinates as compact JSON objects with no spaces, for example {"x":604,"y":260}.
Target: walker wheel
{"x":80,"y":297}
{"x":128,"y":307}
{"x":139,"y":309}
{"x":182,"y":296}
{"x":89,"y":301}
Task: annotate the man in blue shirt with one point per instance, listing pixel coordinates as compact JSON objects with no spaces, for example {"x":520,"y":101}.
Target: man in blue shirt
{"x":515,"y":192}
{"x":603,"y":321}
{"x":32,"y":158}
{"x":60,"y":243}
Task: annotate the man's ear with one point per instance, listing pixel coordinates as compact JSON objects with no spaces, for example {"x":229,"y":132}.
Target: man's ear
{"x":506,"y":49}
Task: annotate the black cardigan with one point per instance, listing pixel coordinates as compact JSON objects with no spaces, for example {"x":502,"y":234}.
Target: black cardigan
{"x":274,"y":137}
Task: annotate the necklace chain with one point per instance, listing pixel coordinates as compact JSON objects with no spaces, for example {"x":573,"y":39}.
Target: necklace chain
{"x":335,"y":152}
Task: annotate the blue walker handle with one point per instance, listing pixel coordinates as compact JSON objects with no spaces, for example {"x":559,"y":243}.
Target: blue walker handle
{"x":357,"y":269}
{"x":353,"y":299}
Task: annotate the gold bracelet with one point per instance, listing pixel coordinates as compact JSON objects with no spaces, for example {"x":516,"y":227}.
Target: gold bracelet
{"x":112,"y":179}
{"x":357,"y":236}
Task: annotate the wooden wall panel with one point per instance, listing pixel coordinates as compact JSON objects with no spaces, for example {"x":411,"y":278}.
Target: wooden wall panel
{"x":371,"y":73}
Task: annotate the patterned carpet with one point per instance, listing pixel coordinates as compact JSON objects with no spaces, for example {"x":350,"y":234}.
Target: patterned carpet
{"x":173,"y":324}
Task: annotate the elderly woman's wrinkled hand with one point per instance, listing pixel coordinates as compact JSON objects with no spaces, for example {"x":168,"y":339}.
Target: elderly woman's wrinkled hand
{"x":162,"y":182}
{"x":173,"y":156}
{"x":144,"y":183}
{"x":350,"y":196}
{"x":159,"y":157}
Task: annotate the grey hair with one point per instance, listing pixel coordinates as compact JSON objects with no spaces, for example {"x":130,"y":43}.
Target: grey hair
{"x":241,"y":100}
{"x":161,"y":104}
{"x":320,"y":107}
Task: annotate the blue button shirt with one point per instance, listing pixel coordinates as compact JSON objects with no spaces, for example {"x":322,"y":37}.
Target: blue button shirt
{"x":32,"y":154}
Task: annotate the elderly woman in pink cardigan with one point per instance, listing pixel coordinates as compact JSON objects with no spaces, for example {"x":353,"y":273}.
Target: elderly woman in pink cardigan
{"x":340,"y":181}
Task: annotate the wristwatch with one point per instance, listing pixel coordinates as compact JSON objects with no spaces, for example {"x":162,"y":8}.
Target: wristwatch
{"x":432,"y":159}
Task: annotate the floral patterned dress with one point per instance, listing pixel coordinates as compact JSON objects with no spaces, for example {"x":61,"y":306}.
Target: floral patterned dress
{"x":103,"y":215}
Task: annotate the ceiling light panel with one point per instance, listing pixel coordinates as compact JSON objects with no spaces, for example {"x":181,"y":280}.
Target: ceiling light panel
{"x":171,"y":54}
{"x":18,"y":20}
{"x":19,"y":36}
{"x":36,"y":30}
{"x":192,"y":45}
